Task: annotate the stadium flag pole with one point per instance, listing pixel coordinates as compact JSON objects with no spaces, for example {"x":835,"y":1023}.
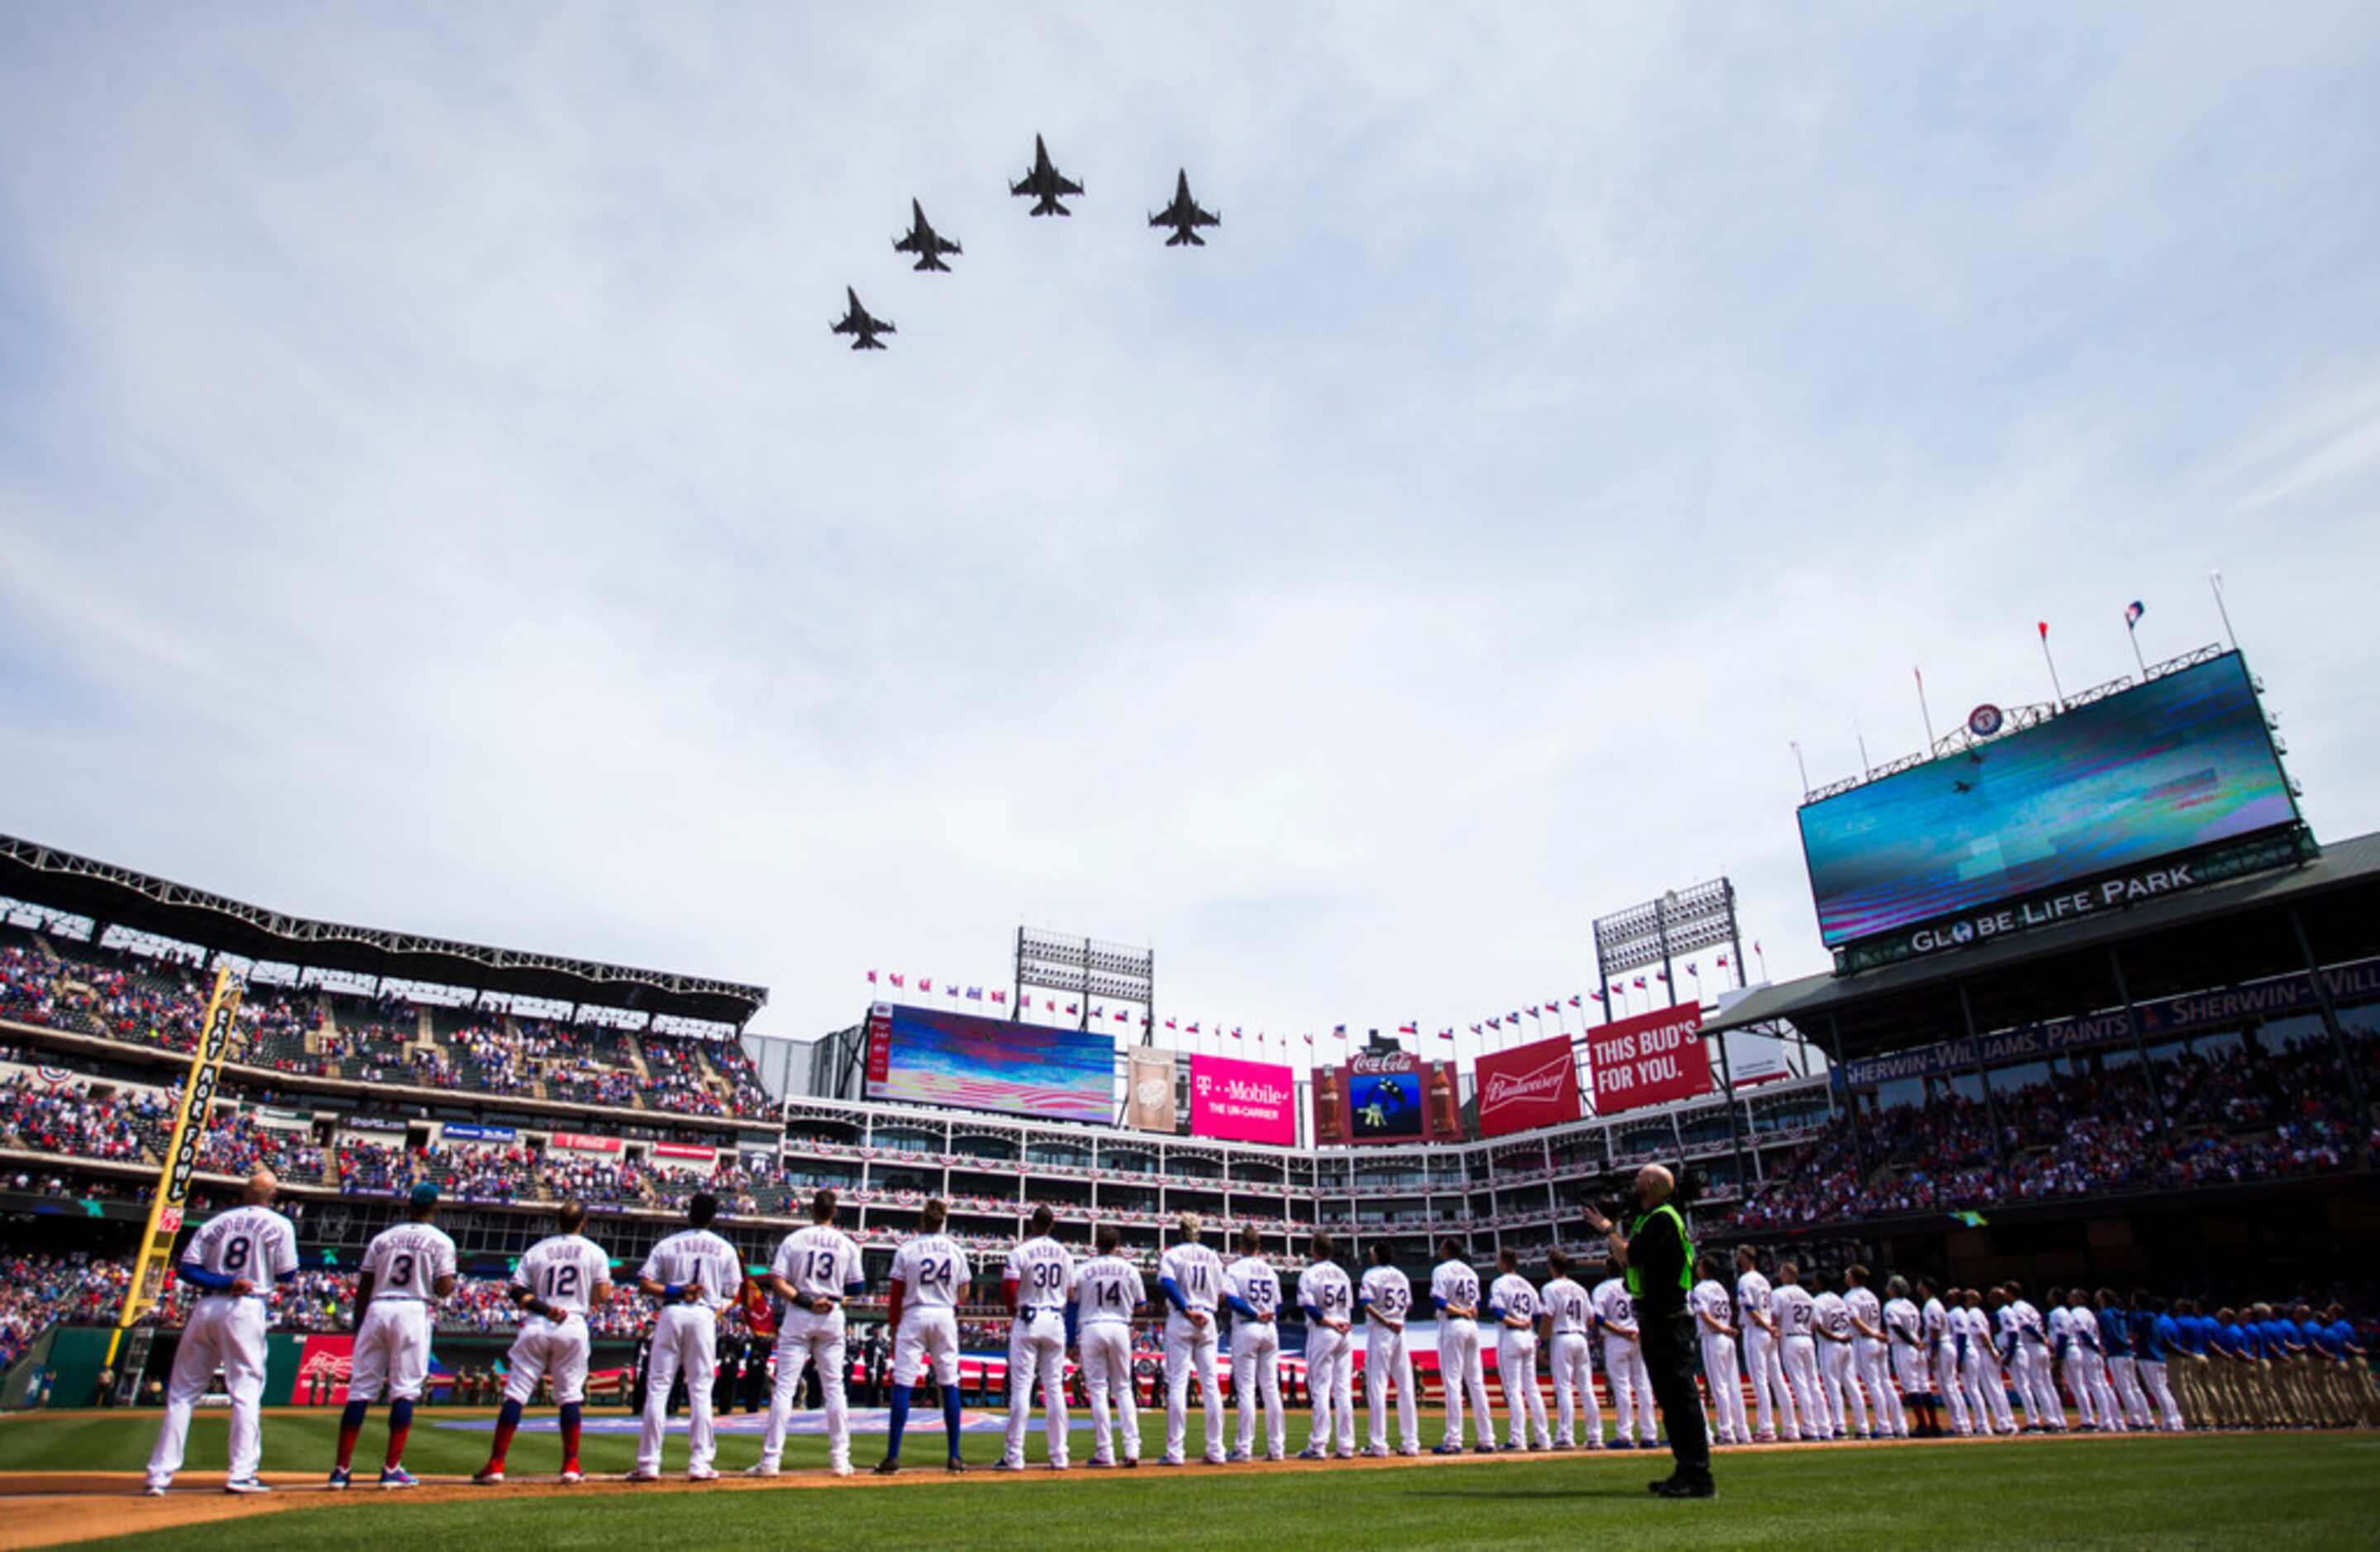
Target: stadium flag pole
{"x":1923,"y":709}
{"x":2214,"y":580}
{"x":1801,"y":765}
{"x":181,"y":1157}
{"x":2054,"y":685}
{"x":2132,"y":613}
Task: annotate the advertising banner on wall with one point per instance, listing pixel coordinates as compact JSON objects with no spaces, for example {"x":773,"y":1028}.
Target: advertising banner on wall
{"x":1531,"y":1086}
{"x":1149,"y":1090}
{"x":1395,"y":1097}
{"x":1242,"y":1101}
{"x":1649,"y":1060}
{"x":582,"y":1143}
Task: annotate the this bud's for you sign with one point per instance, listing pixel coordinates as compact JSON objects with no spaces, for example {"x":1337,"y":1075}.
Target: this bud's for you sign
{"x":1649,"y":1060}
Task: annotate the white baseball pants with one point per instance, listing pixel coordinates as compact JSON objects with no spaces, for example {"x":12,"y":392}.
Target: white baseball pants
{"x":1632,"y":1390}
{"x":1387,"y":1363}
{"x":804,"y":1340}
{"x":1256,"y":1382}
{"x":1329,"y":1382}
{"x":1459,"y":1371}
{"x":1574,"y":1401}
{"x":1107,"y":1374}
{"x":1868,"y":1361}
{"x":1036,"y":1346}
{"x":227,"y":1331}
{"x":1725,"y":1383}
{"x":1801,"y":1357}
{"x":1516,"y":1371}
{"x":1772,"y":1397}
{"x":1190,"y":1349}
{"x":687,"y":1337}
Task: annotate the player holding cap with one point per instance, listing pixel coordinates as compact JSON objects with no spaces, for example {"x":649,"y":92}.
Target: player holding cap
{"x":1623,"y":1362}
{"x":1191,"y":1276}
{"x":406,"y":1268}
{"x":693,"y":1273}
{"x":817,"y":1269}
{"x":1570,"y":1324}
{"x":556,"y":1285}
{"x":927,"y":1273}
{"x":1713,"y":1312}
{"x":1385,"y":1296}
{"x":1107,"y":1292}
{"x":1454,"y":1292}
{"x":230,"y":1262}
{"x":1038,"y":1283}
{"x":1513,"y":1303}
{"x":1252,"y":1292}
{"x":1329,"y":1299}
{"x":1764,"y":1357}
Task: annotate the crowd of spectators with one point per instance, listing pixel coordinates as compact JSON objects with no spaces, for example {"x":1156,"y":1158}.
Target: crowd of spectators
{"x":237,"y":1144}
{"x":67,"y":1120}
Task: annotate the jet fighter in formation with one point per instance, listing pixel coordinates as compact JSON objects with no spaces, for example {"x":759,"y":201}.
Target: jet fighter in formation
{"x":861,"y":326}
{"x":1184,"y":216}
{"x":924,"y":241}
{"x":1045,"y":183}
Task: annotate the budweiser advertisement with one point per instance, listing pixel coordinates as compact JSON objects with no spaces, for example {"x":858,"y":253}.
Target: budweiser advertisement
{"x":1390,"y":1097}
{"x":1242,"y":1101}
{"x":1149,"y":1097}
{"x":1535,"y":1085}
{"x":1649,"y":1060}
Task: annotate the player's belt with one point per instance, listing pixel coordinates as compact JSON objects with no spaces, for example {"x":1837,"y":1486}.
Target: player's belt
{"x":1035,"y":1312}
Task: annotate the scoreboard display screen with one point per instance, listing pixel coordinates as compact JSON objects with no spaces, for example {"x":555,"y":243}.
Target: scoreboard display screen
{"x":2179,"y":763}
{"x":928,"y":1056}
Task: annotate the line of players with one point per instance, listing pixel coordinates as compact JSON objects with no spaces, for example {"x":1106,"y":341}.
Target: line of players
{"x":1817,"y":1358}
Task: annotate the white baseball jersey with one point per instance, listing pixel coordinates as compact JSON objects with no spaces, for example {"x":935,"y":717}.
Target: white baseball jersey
{"x":2061,"y":1325}
{"x":1107,"y":1290}
{"x":1614,"y":1307}
{"x":1454,"y":1283}
{"x":1255,"y":1284}
{"x":1386,"y":1293}
{"x":1709,"y":1297}
{"x":1511,"y":1293}
{"x":1797,"y":1313}
{"x":819,"y":1261}
{"x":2085,"y":1327}
{"x":1043,"y":1271}
{"x":2026,"y":1320}
{"x":1751,"y":1297}
{"x":692,"y":1255}
{"x":1572,"y":1311}
{"x":1935,"y":1321}
{"x":1862,"y":1305}
{"x":1903,"y":1323}
{"x":931,"y":1270}
{"x":1196,"y":1274}
{"x":246,"y":1241}
{"x":1325,"y":1286}
{"x":406,"y":1261}
{"x":563,"y":1271}
{"x":1831,"y":1315}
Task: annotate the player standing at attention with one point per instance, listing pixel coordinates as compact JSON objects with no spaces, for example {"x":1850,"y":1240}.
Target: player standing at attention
{"x":555,"y":1287}
{"x":1904,"y":1331}
{"x":1386,"y":1298}
{"x":1942,"y":1330}
{"x":230,"y":1262}
{"x":1252,"y":1292}
{"x":1713,"y":1309}
{"x":1570,"y":1324}
{"x":2067,"y":1346}
{"x":1513,"y":1304}
{"x":927,"y":1273}
{"x":693,"y":1273}
{"x":1329,"y":1299}
{"x":1038,"y":1285}
{"x":1797,"y":1322}
{"x":1987,"y":1384}
{"x":1108,"y":1292}
{"x":815,"y":1271}
{"x":1455,"y":1293}
{"x":1835,"y":1381}
{"x":1191,"y":1277}
{"x":2031,"y":1367}
{"x":405,"y":1269}
{"x":1763,"y":1355}
{"x":1623,"y":1365}
{"x":1868,"y":1360}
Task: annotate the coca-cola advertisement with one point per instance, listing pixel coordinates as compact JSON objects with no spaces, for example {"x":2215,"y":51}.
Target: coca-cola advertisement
{"x":1387,"y":1098}
{"x":1531,"y":1086}
{"x":1649,"y":1060}
{"x":1242,"y":1101}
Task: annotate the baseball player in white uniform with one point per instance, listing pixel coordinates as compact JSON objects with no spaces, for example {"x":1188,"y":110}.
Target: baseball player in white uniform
{"x":2064,"y":1342}
{"x":1986,"y":1384}
{"x":232,"y":1262}
{"x":1191,"y":1277}
{"x":1109,"y":1291}
{"x":1623,"y":1365}
{"x":1512,"y":1305}
{"x":1763,"y":1358}
{"x":1911,"y":1353}
{"x":407,"y":1270}
{"x":1713,"y":1312}
{"x":555,"y":1286}
{"x":1327,"y":1297}
{"x":1455,"y":1293}
{"x":816,"y":1270}
{"x":1934,"y":1319}
{"x":2024,"y":1346}
{"x":1797,"y":1325}
{"x":1835,"y":1381}
{"x":1868,"y":1361}
{"x":1252,"y":1292}
{"x":2091,"y":1360}
{"x":1040,"y":1284}
{"x":694,"y":1274}
{"x":1569,"y":1316}
{"x":1385,"y":1296}
{"x":929,"y":1273}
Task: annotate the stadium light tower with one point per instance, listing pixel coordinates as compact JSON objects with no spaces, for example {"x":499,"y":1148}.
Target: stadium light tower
{"x":1087,"y":968}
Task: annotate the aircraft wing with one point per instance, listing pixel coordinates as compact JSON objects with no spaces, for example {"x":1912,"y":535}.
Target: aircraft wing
{"x":1204,"y":218}
{"x":1065,"y":184}
{"x":909,"y":245}
{"x":945,"y":245}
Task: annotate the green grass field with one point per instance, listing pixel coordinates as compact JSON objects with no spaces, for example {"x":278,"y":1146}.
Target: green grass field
{"x":2268,"y":1491}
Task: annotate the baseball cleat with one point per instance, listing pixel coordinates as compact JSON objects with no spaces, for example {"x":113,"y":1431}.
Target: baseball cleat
{"x":1004,"y":1464}
{"x":1132,"y":1462}
{"x":393,"y":1477}
{"x":1376,"y":1451}
{"x":701,"y":1473}
{"x":764,"y":1468}
{"x":1169,"y":1460}
{"x":889,"y":1466}
{"x":1343,"y":1454}
{"x":1094,"y":1464}
{"x":640,"y":1475}
{"x":489,"y":1478}
{"x":341,"y":1479}
{"x":1273,"y":1455}
{"x":1411,"y":1451}
{"x":841,"y":1468}
{"x":152,"y":1489}
{"x":955,"y":1466}
{"x":1238,"y":1457}
{"x":1483,"y":1448}
{"x":246,"y":1485}
{"x":1623,"y":1444}
{"x":1215,"y":1460}
{"x":572,"y":1476}
{"x":1449,"y":1447}
{"x":1312,"y":1452}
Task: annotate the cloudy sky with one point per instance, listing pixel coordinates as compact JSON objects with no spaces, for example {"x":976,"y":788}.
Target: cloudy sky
{"x":429,"y":496}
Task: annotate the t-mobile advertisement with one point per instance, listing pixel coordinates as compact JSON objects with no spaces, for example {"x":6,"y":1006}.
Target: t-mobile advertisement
{"x":1242,"y":1101}
{"x":1649,"y":1060}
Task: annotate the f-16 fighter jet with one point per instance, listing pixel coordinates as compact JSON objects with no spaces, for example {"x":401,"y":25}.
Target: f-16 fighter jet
{"x":1045,"y":183}
{"x":1184,"y":216}
{"x":924,"y":241}
{"x":857,"y":323}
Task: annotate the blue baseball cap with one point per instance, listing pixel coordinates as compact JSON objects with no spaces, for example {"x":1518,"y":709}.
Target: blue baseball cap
{"x":426,"y":1194}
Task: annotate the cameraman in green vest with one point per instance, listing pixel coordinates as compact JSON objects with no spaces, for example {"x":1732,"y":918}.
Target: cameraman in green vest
{"x":1660,"y":1261}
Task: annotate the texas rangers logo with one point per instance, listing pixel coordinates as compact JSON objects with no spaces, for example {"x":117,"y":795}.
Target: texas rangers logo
{"x":1984,"y":720}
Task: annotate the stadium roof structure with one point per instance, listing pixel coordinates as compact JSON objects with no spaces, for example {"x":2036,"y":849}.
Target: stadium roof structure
{"x":117,"y":896}
{"x":2326,"y":910}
